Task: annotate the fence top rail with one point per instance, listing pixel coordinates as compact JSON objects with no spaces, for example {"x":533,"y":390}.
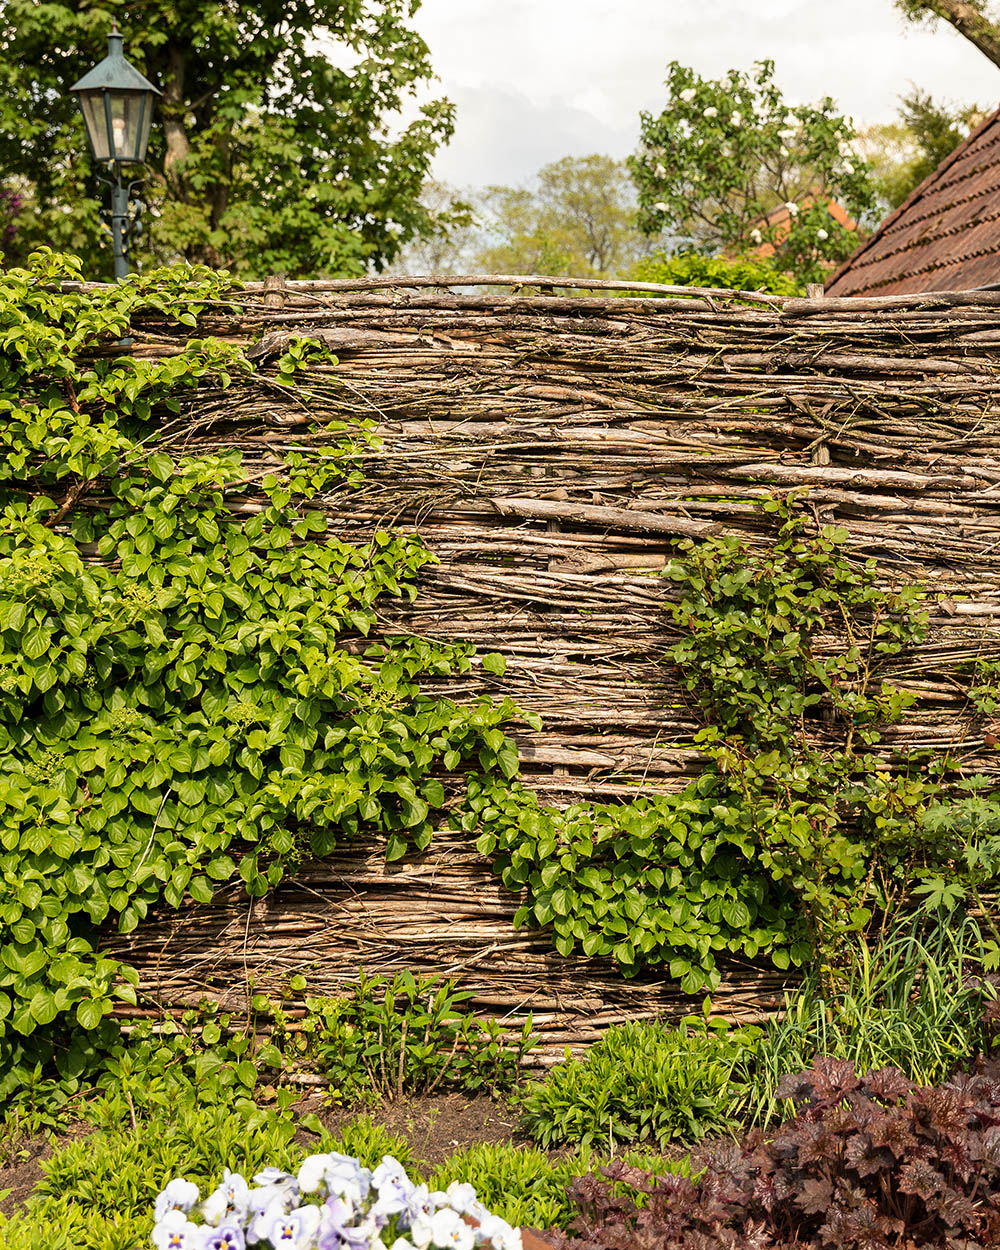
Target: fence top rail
{"x":539,"y":287}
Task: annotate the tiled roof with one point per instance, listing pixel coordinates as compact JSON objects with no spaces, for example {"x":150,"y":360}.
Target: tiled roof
{"x":945,"y":236}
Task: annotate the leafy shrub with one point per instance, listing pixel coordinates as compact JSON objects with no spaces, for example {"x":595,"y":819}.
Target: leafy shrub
{"x":697,"y":269}
{"x":409,"y":1035}
{"x":195,"y":715}
{"x":642,"y":1082}
{"x":866,"y":1162}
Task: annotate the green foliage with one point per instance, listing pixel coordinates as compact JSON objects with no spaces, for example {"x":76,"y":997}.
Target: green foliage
{"x":696,"y":269}
{"x":410,"y":1035}
{"x":910,"y":997}
{"x":751,"y":661}
{"x":642,"y":1082}
{"x":270,"y":150}
{"x":98,"y":1192}
{"x":724,"y":154}
{"x":178,"y":707}
{"x":771,"y":851}
{"x":662,"y":880}
{"x":527,"y":1187}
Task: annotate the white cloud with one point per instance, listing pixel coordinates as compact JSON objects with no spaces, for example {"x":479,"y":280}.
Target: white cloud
{"x":538,"y":79}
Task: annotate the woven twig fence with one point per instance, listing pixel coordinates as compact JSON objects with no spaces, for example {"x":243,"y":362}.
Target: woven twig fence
{"x":551,"y":449}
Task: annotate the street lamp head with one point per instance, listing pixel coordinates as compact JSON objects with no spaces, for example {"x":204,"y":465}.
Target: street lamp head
{"x":117,"y":106}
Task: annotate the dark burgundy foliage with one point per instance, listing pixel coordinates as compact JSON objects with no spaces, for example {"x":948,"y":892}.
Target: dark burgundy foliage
{"x":867,"y":1162}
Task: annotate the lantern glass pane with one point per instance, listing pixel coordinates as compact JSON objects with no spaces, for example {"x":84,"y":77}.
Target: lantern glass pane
{"x":117,"y":123}
{"x":92,"y":105}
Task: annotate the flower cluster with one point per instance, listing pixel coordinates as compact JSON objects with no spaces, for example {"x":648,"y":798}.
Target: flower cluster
{"x":332,"y":1204}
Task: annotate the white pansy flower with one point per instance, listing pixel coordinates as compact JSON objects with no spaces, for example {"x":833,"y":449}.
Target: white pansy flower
{"x":179,"y":1195}
{"x":711,"y":112}
{"x":498,"y":1233}
{"x":230,"y":1201}
{"x":176,"y":1232}
{"x":461,"y":1196}
{"x":450,"y":1232}
{"x":822,"y":235}
{"x":688,"y":95}
{"x":295,"y":1231}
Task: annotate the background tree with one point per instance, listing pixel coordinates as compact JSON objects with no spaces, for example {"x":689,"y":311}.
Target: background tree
{"x":903,"y":153}
{"x":976,"y":20}
{"x":579,"y":219}
{"x":268,"y":153}
{"x":452,"y":239}
{"x":724,"y":154}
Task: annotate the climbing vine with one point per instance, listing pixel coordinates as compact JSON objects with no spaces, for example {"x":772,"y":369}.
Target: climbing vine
{"x":796,"y":827}
{"x":186,"y":691}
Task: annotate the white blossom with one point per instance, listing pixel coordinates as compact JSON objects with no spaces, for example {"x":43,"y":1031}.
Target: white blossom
{"x":688,"y":95}
{"x":822,"y":235}
{"x":756,"y":236}
{"x":711,"y":112}
{"x":660,"y":171}
{"x":736,"y":119}
{"x":793,"y":208}
{"x":848,"y":167}
{"x":660,"y":207}
{"x":782,"y":151}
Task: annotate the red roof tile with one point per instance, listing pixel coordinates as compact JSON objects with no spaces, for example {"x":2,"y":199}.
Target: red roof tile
{"x":945,"y":236}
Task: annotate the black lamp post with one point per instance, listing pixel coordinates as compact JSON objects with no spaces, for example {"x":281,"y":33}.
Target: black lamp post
{"x":117,"y":106}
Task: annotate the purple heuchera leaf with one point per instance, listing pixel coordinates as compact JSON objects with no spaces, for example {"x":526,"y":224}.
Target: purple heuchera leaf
{"x":868,"y":1163}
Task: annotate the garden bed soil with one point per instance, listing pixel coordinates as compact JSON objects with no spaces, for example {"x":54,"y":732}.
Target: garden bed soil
{"x":438,"y":1125}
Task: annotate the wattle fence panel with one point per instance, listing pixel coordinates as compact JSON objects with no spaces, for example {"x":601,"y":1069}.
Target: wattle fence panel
{"x":552,"y":450}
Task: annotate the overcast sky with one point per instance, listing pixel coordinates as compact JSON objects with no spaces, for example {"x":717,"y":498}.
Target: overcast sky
{"x":535,"y":80}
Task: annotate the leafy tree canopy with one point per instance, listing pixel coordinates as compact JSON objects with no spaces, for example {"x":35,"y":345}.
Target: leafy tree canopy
{"x":272,"y":150}
{"x":903,"y":153}
{"x":723,"y":155}
{"x":580,"y":220}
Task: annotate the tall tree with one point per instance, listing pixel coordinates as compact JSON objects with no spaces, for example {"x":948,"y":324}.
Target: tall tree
{"x":724,"y":155}
{"x":275,"y":150}
{"x":976,"y":20}
{"x":903,"y":153}
{"x":578,"y":219}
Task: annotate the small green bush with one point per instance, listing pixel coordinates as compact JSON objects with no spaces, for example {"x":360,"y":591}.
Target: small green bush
{"x":98,"y":1193}
{"x":410,"y":1035}
{"x":642,"y":1082}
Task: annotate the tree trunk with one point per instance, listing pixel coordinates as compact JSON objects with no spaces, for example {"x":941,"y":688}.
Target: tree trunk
{"x":174,"y":107}
{"x":967,"y":20}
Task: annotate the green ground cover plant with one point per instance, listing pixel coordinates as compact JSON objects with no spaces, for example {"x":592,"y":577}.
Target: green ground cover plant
{"x":645,"y":1083}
